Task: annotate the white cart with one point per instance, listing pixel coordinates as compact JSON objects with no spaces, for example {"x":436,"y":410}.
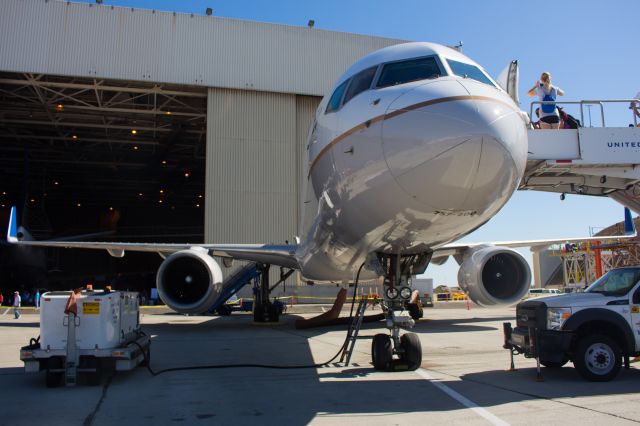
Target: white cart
{"x":104,"y":335}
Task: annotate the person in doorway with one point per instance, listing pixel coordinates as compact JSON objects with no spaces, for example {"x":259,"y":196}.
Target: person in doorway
{"x":16,"y":304}
{"x":547,"y":92}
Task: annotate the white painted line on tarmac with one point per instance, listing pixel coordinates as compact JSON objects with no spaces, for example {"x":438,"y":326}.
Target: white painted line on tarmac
{"x":461,"y":399}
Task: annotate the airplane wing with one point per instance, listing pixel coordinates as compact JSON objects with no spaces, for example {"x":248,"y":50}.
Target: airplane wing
{"x":281,"y":255}
{"x":442,"y":253}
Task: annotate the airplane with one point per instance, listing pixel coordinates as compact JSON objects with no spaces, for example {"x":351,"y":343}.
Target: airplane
{"x":415,"y":147}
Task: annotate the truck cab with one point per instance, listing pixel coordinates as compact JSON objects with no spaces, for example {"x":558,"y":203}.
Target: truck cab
{"x":596,"y":329}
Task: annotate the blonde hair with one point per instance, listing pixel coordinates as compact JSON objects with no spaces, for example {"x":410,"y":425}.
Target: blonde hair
{"x":545,"y":77}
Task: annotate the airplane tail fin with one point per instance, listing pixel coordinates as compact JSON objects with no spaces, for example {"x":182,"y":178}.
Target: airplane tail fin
{"x":12,"y":230}
{"x":629,"y":226}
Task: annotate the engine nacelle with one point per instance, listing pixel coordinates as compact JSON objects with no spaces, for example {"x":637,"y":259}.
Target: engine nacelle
{"x":189,"y":281}
{"x":494,"y":275}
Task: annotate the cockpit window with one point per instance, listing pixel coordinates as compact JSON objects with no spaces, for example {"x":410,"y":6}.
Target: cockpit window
{"x":469,"y":71}
{"x":406,"y":71}
{"x":359,"y":83}
{"x":334,"y":102}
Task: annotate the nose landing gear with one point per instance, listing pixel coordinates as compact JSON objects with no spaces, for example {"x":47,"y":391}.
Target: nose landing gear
{"x":397,"y":292}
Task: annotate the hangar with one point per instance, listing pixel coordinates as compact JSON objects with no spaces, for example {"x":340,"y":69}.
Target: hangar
{"x":158,"y":125}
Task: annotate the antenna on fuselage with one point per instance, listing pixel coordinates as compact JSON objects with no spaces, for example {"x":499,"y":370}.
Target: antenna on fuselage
{"x":458,"y":46}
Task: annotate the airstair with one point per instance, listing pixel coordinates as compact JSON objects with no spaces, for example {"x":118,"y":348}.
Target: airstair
{"x":598,"y":160}
{"x":235,"y":282}
{"x":354,"y":330}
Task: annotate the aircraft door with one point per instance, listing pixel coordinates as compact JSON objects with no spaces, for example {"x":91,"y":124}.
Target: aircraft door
{"x":509,"y":80}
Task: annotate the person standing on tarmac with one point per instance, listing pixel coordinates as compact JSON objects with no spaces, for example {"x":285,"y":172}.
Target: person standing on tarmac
{"x":16,"y":304}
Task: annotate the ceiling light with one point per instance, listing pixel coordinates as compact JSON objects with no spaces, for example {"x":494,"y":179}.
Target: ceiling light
{"x":164,"y":162}
{"x":167,"y":113}
{"x":110,"y":209}
{"x":33,"y":200}
{"x":135,"y":147}
{"x":162,"y":191}
{"x":59,"y":107}
{"x":56,"y":183}
{"x":78,"y":205}
{"x":134,"y":131}
{"x":4,"y":192}
{"x":139,"y":194}
{"x":199,"y":196}
{"x":160,"y":201}
{"x":197,"y":205}
{"x":74,"y":136}
{"x":186,"y":173}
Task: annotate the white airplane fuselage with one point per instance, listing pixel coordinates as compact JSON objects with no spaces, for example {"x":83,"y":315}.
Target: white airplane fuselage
{"x":406,"y":168}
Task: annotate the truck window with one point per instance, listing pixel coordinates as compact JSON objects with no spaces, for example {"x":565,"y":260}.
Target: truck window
{"x":407,"y":71}
{"x":616,"y":282}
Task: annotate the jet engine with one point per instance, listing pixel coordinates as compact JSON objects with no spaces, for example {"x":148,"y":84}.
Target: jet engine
{"x":189,"y":281}
{"x":494,"y":275}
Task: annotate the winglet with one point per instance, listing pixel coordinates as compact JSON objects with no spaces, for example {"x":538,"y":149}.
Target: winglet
{"x":12,"y":230}
{"x":629,"y":226}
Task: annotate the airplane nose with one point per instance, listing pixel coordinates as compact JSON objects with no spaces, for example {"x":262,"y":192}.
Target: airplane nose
{"x":458,"y":155}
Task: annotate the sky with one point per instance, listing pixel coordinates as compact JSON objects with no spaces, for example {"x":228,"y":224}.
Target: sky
{"x":589,"y":46}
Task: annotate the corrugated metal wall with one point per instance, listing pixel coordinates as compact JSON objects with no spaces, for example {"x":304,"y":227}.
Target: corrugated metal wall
{"x":255,"y":152}
{"x":255,"y":148}
{"x":89,"y":40}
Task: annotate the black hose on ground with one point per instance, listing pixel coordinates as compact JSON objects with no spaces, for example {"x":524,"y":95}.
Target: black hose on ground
{"x":274,"y":367}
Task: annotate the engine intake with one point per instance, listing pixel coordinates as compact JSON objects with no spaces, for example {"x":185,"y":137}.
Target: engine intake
{"x":189,"y":281}
{"x":494,"y":275}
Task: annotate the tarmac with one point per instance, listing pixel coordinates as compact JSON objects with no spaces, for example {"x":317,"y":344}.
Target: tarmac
{"x":464,"y":378}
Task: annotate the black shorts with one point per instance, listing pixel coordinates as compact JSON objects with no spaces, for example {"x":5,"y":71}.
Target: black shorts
{"x":551,"y":119}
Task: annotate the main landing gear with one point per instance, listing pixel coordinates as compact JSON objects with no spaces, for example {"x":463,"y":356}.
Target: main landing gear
{"x":265,"y":310}
{"x":393,"y":351}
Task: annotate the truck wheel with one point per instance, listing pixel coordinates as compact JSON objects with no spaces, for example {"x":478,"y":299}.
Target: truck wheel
{"x":381,"y":352}
{"x":410,"y":342}
{"x":597,"y":358}
{"x":554,"y":364}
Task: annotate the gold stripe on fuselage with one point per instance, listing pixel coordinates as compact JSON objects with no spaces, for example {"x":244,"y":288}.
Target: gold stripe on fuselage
{"x":398,"y":112}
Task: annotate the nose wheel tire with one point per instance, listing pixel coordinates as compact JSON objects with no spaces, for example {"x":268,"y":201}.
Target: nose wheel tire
{"x":381,"y":352}
{"x":597,"y":358}
{"x":412,"y":355}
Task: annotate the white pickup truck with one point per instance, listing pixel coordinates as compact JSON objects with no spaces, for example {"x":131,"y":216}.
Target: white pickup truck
{"x":597,"y":330}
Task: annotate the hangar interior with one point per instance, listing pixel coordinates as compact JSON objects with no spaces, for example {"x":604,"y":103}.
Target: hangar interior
{"x":170,"y":128}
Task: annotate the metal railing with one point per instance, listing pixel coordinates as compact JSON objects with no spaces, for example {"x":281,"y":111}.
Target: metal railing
{"x":633,"y":104}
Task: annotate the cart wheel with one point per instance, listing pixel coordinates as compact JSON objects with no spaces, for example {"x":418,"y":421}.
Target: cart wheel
{"x":147,"y":357}
{"x":94,"y":378}
{"x":53,"y":379}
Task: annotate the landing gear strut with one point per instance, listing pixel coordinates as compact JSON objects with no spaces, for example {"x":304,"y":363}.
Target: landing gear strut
{"x":397,"y":292}
{"x":265,"y":310}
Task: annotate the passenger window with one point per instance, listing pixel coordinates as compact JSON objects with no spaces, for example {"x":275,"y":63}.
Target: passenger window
{"x":359,"y":83}
{"x":334,"y":102}
{"x":469,"y":71}
{"x":407,"y":71}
